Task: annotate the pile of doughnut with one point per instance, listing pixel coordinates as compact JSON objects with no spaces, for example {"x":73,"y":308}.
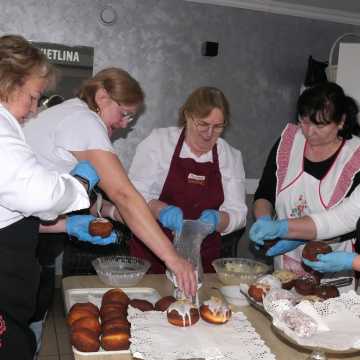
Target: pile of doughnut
{"x":307,"y":285}
{"x":107,"y":327}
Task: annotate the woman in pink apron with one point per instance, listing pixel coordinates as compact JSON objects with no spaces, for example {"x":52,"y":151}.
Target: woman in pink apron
{"x":189,"y":172}
{"x":312,"y":168}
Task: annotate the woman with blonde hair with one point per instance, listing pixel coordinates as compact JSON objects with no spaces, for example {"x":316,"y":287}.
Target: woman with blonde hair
{"x":28,"y":191}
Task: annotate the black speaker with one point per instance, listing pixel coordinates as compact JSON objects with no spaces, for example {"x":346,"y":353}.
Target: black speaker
{"x":209,"y":48}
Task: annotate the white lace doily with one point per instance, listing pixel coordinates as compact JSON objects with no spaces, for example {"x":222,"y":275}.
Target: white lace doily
{"x":338,"y":322}
{"x":153,"y":338}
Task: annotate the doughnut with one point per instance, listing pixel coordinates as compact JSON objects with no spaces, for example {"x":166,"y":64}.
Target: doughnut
{"x":88,"y":306}
{"x":85,"y":340}
{"x":115,"y":296}
{"x":112,"y":314}
{"x":142,"y":305}
{"x":269,"y":280}
{"x":305,"y":285}
{"x":326,"y":292}
{"x":100,"y":227}
{"x":164,"y":303}
{"x":115,"y":323}
{"x":182,"y":313}
{"x":115,"y":339}
{"x":313,"y":248}
{"x":120,"y":309}
{"x":91,"y":322}
{"x":287,"y":278}
{"x":215,"y":311}
{"x":77,"y":314}
{"x":257,"y":291}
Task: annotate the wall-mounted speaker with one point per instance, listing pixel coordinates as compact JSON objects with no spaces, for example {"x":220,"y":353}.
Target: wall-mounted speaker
{"x":209,"y":48}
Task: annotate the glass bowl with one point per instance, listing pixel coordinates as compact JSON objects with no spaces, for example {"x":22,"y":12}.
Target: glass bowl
{"x":120,"y":270}
{"x":235,"y":271}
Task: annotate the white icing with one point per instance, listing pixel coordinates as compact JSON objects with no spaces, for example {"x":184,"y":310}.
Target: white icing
{"x":218,"y":307}
{"x":183,"y":308}
{"x":101,"y":220}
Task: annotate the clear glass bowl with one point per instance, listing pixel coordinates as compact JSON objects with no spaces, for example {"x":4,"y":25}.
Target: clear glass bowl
{"x":235,"y":271}
{"x":120,"y":270}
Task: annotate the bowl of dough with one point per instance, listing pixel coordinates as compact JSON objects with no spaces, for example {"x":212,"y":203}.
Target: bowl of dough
{"x":235,"y":271}
{"x":120,"y":270}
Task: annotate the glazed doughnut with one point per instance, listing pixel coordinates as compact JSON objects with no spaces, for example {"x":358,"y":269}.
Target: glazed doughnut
{"x":305,"y":285}
{"x":112,"y":314}
{"x":142,"y":305}
{"x":91,"y":322}
{"x":164,"y":303}
{"x":85,"y":340}
{"x":182,"y":313}
{"x":115,"y":323}
{"x":100,"y":227}
{"x":77,"y":314}
{"x":115,"y":296}
{"x":115,"y":339}
{"x":215,"y":311}
{"x":86,"y":305}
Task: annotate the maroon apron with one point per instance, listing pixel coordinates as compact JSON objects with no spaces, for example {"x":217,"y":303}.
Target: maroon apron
{"x":193,"y":187}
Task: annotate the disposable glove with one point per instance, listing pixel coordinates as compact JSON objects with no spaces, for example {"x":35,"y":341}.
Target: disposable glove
{"x":171,"y":217}
{"x":332,"y":262}
{"x":211,"y":217}
{"x":267,"y":230}
{"x":264,"y":217}
{"x":78,"y":226}
{"x":86,"y":171}
{"x":284,"y":246}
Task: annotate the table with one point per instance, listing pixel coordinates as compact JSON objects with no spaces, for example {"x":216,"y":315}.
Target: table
{"x":281,"y":349}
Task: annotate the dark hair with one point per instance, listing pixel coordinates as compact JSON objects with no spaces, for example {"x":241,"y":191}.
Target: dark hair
{"x":19,"y":59}
{"x":327,"y":103}
{"x":119,"y":84}
{"x":202,"y":101}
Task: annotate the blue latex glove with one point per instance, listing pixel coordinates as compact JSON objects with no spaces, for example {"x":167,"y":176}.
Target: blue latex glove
{"x":78,"y":226}
{"x":332,"y":262}
{"x":86,"y":171}
{"x":284,"y":246}
{"x":267,"y":230}
{"x":264,"y":217}
{"x":211,"y":217}
{"x":171,"y":217}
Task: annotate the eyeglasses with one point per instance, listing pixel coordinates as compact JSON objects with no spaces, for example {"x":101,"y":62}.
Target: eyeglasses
{"x":128,"y":116}
{"x":204,"y":126}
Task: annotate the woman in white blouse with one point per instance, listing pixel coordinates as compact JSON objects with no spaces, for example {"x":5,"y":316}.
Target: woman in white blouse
{"x":80,"y":129}
{"x":190,"y":172}
{"x":28,"y":191}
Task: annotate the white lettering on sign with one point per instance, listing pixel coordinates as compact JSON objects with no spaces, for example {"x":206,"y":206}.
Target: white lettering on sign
{"x":61,"y":55}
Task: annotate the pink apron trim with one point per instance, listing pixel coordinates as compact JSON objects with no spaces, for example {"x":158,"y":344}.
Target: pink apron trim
{"x":283,"y":155}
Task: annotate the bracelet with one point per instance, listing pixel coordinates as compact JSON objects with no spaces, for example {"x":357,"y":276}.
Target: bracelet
{"x":112,"y":212}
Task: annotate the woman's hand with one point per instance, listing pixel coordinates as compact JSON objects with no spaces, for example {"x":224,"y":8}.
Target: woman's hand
{"x":212,"y":217}
{"x":185,"y":274}
{"x":78,"y":226}
{"x":284,"y":246}
{"x":263,"y":230}
{"x":171,"y":217}
{"x":333,"y":262}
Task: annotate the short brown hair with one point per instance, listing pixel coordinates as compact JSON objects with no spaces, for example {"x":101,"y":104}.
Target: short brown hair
{"x":119,"y":84}
{"x":201,"y":102}
{"x":19,"y":59}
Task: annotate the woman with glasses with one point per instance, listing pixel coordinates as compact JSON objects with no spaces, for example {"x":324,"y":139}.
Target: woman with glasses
{"x":313,"y":167}
{"x":80,"y":129}
{"x":190,"y":172}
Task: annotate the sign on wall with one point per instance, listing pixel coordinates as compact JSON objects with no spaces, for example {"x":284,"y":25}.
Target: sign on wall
{"x":75,"y":64}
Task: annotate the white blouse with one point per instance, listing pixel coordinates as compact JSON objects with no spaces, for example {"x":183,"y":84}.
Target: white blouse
{"x":26,"y":187}
{"x":340,"y":219}
{"x":151,"y":164}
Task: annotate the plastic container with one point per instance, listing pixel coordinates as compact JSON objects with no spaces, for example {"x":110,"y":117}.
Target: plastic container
{"x":235,"y":271}
{"x":120,"y":270}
